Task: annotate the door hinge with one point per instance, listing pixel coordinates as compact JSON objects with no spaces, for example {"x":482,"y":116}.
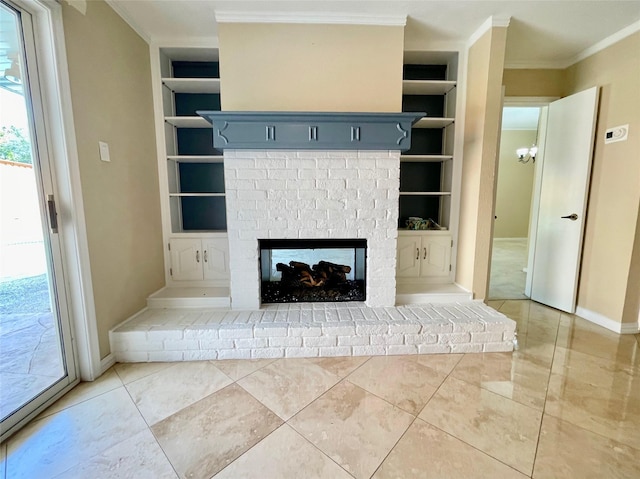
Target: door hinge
{"x":169,"y":246}
{"x":452,"y":243}
{"x":449,"y":267}
{"x":170,"y":271}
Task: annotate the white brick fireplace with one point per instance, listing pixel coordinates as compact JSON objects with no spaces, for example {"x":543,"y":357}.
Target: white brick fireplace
{"x":281,"y":194}
{"x":311,"y":193}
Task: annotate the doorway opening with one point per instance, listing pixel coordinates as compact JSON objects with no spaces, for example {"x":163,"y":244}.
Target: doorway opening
{"x":513,"y":203}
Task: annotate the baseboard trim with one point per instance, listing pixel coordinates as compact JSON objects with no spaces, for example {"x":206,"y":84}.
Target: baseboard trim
{"x":608,"y":323}
{"x":107,"y":362}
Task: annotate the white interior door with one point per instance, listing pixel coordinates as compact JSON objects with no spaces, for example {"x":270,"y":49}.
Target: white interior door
{"x":563,"y":199}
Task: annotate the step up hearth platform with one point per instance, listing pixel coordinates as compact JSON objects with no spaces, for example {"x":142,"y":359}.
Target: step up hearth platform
{"x":311,"y":330}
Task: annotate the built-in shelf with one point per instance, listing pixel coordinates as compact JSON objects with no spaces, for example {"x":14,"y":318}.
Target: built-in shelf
{"x":192,"y":85}
{"x":187,"y":121}
{"x":196,"y":194}
{"x":427,"y":87}
{"x":425,"y":193}
{"x":427,"y":122}
{"x":425,"y":158}
{"x":196,"y":158}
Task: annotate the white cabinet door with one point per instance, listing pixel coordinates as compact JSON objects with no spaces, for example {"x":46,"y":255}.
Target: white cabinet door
{"x":186,"y":259}
{"x":215,"y":258}
{"x":408,"y":257}
{"x":436,"y":255}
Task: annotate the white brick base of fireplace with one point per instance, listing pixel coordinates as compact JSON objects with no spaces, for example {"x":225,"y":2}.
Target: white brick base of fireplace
{"x":311,"y":195}
{"x":311,"y":330}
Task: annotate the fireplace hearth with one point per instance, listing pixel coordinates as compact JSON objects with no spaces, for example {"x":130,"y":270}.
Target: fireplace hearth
{"x":325,"y":270}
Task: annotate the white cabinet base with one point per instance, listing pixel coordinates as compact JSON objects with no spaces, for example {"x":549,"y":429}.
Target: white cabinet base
{"x":199,"y":262}
{"x":423,"y":257}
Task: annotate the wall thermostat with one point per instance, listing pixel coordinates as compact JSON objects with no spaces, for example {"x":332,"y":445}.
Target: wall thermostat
{"x":617,"y":133}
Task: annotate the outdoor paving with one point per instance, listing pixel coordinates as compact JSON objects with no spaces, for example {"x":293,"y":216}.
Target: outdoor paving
{"x":29,"y":352}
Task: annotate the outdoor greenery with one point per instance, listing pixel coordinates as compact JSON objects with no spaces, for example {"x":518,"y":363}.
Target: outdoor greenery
{"x":14,"y":146}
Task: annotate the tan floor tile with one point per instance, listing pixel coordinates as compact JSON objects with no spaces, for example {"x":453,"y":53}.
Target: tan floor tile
{"x":506,"y":374}
{"x":51,"y":445}
{"x":595,"y":370}
{"x":341,"y":367}
{"x":580,"y":335}
{"x":611,"y":410}
{"x":167,"y":391}
{"x":288,"y":385}
{"x":353,"y":427}
{"x":443,"y":364}
{"x":130,"y":372}
{"x":534,"y":320}
{"x":502,"y":428}
{"x":138,"y":456}
{"x":495,"y":303}
{"x":205,"y":437}
{"x":86,"y":390}
{"x":399,"y":380}
{"x":239,"y":368}
{"x":535,"y":350}
{"x":283,"y":454}
{"x":568,"y":451}
{"x":426,"y":452}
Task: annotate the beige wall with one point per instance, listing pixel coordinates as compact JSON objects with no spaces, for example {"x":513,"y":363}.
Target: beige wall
{"x":110,"y":78}
{"x":284,"y":67}
{"x":515,"y":185}
{"x":481,"y":133}
{"x":609,"y":283}
{"x":529,"y":82}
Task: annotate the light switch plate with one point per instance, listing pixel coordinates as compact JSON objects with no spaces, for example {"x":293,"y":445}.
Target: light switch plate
{"x":617,"y":133}
{"x":104,"y":151}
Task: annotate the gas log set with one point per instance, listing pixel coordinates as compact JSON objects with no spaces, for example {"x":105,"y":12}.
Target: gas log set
{"x":324,"y":281}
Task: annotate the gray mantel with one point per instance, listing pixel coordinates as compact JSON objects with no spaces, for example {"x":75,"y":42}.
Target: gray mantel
{"x":250,"y":130}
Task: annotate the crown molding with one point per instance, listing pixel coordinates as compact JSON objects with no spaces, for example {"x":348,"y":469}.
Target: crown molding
{"x":489,"y":23}
{"x":540,"y":65}
{"x":311,"y":18}
{"x":607,"y":42}
{"x":586,"y":53}
{"x":127,"y":18}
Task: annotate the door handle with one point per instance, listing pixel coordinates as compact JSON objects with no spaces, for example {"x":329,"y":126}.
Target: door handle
{"x":205,"y":256}
{"x":417,"y":253}
{"x":571,"y":217}
{"x":425,"y":254}
{"x":197,"y":256}
{"x":53,"y":214}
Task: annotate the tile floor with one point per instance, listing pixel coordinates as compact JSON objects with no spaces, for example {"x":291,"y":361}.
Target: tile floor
{"x":508,"y":258}
{"x":565,"y":405}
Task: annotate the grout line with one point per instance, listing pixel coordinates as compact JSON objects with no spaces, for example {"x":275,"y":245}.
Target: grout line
{"x":474,"y":447}
{"x":546,"y":394}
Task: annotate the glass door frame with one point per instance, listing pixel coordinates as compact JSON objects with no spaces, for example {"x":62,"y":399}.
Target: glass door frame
{"x":48,"y":104}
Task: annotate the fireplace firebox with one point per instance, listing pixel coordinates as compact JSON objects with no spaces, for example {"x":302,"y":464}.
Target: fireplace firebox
{"x":312,"y":270}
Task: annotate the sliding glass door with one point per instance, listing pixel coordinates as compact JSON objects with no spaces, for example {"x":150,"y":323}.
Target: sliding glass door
{"x":36,"y":357}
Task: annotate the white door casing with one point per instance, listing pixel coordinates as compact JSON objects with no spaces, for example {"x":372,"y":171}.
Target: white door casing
{"x":564,"y":189}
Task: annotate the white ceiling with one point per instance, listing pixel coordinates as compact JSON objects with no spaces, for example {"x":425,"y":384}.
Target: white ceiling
{"x":541,"y":33}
